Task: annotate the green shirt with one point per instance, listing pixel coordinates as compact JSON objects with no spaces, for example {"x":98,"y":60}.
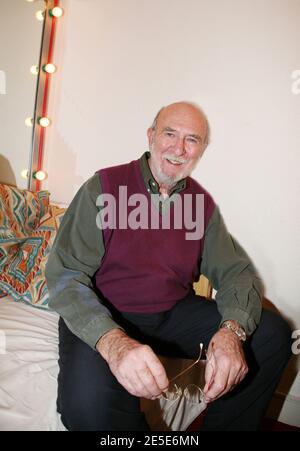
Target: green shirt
{"x":79,"y":248}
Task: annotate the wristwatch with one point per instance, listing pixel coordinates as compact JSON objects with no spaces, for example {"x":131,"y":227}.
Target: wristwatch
{"x":238,"y":330}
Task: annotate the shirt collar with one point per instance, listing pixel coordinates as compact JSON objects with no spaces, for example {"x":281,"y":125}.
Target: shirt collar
{"x":151,"y":184}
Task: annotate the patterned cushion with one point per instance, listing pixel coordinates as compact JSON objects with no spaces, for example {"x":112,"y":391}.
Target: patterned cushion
{"x":23,"y":277}
{"x":21,"y":210}
{"x":20,"y":213}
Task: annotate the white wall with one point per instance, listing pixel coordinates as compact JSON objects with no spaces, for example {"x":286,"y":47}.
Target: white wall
{"x":121,"y":60}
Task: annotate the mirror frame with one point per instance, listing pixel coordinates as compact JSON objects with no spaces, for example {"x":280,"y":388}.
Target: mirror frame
{"x":41,"y":96}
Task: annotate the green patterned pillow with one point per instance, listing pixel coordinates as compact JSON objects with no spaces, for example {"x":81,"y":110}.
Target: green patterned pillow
{"x":23,"y":277}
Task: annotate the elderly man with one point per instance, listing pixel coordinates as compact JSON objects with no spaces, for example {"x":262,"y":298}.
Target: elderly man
{"x":124,"y":292}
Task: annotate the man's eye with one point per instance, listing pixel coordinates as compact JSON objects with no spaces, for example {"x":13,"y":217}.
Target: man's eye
{"x":170,"y":134}
{"x":193,"y":141}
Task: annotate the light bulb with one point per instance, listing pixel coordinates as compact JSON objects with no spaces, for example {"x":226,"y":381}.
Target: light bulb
{"x":24,"y":174}
{"x":44,"y":121}
{"x":34,"y":69}
{"x":40,"y":15}
{"x":29,"y":121}
{"x":30,"y":1}
{"x":56,"y":12}
{"x":40,"y":175}
{"x":49,"y":68}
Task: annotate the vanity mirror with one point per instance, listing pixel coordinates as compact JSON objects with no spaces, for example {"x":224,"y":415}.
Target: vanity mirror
{"x":27,"y":36}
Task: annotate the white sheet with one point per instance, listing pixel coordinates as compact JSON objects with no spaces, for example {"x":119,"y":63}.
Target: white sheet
{"x":28,"y":368}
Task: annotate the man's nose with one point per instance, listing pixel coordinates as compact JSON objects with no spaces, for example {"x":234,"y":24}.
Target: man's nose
{"x":180,"y":147}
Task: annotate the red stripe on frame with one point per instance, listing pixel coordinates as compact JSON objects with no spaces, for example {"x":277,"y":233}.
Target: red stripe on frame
{"x":45,"y":98}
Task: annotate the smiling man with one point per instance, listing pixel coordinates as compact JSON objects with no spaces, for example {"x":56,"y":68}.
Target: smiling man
{"x":177,"y":140}
{"x":124,"y":294}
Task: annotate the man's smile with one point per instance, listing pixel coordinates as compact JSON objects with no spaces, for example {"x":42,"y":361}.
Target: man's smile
{"x":174,"y":161}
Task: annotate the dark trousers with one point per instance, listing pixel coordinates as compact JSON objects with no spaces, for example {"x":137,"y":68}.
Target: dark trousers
{"x":90,"y":397}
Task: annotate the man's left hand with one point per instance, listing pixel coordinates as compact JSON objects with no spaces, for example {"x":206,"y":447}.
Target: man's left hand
{"x":226,"y":364}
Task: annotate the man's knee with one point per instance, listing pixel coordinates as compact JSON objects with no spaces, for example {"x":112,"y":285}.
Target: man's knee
{"x":100,"y":410}
{"x":77,"y":411}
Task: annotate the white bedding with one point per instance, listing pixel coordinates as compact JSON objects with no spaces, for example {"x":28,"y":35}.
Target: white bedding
{"x":28,"y":368}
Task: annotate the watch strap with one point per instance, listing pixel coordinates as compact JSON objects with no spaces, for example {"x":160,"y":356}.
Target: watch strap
{"x":238,"y":330}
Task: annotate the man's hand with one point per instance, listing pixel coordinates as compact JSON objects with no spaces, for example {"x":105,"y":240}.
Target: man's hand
{"x":226,"y":366}
{"x":134,"y":365}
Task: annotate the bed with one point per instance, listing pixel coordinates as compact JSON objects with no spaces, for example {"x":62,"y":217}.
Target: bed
{"x":29,"y":368}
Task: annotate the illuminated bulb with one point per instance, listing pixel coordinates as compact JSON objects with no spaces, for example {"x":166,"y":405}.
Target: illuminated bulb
{"x":40,"y":175}
{"x":49,"y":68}
{"x":29,"y":121}
{"x":34,"y":70}
{"x":44,"y":121}
{"x":39,"y":15}
{"x":30,"y":1}
{"x":56,"y":11}
{"x":24,"y":174}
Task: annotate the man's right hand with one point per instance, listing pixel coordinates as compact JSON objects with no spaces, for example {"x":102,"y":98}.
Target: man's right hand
{"x":134,"y":365}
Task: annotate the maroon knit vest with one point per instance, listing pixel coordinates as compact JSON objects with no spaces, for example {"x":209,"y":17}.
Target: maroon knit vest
{"x":147,"y":270}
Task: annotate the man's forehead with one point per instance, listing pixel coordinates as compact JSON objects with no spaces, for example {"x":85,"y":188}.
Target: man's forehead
{"x":179,"y":115}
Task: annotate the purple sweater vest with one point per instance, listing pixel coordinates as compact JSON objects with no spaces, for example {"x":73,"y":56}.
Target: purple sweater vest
{"x":146,"y":270}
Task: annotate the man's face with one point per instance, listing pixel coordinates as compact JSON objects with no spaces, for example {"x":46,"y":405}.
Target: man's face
{"x":177,"y":143}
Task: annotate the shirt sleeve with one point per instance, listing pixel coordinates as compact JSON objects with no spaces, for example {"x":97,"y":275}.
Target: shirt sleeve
{"x":75,"y":257}
{"x":232,"y":274}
